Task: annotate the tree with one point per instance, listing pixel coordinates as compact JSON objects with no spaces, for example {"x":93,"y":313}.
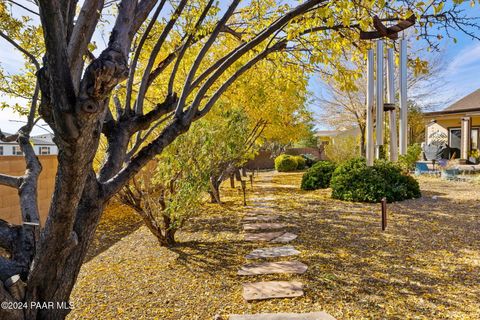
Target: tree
{"x":343,"y":104}
{"x":73,"y":89}
{"x":168,"y":191}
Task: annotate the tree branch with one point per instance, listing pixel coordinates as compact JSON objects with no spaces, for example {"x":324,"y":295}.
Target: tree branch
{"x":23,"y":7}
{"x":244,"y":48}
{"x":81,"y":36}
{"x":133,"y":64}
{"x":276,"y":47}
{"x":201,"y":55}
{"x":9,"y":181}
{"x":185,"y":46}
{"x":30,"y":56}
{"x":153,"y":56}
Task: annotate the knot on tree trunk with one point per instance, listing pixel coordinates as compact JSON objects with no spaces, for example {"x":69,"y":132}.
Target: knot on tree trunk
{"x":89,"y":106}
{"x":101,"y":76}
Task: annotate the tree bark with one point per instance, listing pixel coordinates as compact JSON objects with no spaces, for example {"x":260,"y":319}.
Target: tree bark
{"x":214,"y":192}
{"x":363,"y":151}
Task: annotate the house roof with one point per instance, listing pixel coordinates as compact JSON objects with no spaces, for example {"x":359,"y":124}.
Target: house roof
{"x":327,"y":133}
{"x":468,"y":103}
{"x":40,"y":140}
{"x":334,"y":133}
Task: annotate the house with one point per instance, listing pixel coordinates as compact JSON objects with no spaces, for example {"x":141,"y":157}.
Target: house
{"x":333,"y":137}
{"x":42,"y":144}
{"x":329,"y":136}
{"x":457,"y":126}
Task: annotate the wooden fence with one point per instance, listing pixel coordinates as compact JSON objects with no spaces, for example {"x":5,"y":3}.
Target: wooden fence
{"x":9,"y":202}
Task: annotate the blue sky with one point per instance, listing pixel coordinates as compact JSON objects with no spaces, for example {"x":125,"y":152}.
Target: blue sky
{"x":461,"y":76}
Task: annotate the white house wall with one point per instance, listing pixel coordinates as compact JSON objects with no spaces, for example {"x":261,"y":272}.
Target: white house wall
{"x":437,"y":133}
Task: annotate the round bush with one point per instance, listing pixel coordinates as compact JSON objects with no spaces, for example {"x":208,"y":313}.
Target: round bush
{"x":318,"y":176}
{"x":355,"y":181}
{"x":285,"y":163}
{"x":301,"y":163}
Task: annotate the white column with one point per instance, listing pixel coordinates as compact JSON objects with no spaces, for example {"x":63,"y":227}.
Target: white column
{"x":403,"y":98}
{"x":465,"y":139}
{"x":391,"y":99}
{"x":370,"y":149}
{"x":379,"y":104}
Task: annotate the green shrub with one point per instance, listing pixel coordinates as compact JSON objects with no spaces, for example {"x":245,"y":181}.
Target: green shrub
{"x":285,"y":163}
{"x":301,"y":163}
{"x":318,"y":176}
{"x":355,"y":181}
{"x":407,"y":161}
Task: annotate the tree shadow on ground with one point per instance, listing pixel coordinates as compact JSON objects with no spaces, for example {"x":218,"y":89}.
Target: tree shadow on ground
{"x":211,"y":256}
{"x":117,"y":221}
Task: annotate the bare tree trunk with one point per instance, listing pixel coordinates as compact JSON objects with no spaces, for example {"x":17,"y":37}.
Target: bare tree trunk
{"x":363,"y":151}
{"x":214,"y":192}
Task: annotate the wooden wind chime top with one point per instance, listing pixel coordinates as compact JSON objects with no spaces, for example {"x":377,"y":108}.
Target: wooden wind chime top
{"x":382,"y":31}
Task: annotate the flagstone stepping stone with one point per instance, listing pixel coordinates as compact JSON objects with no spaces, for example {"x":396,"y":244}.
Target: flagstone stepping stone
{"x":272,"y":252}
{"x":263,"y":212}
{"x":264,"y":236}
{"x":272,"y":289}
{"x":264,"y":225}
{"x":251,"y":269}
{"x":284,"y":238}
{"x":264,"y":198}
{"x":283,"y":316}
{"x":256,"y":218}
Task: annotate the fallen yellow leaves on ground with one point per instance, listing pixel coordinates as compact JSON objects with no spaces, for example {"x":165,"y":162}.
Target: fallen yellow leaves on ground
{"x":424,"y":266}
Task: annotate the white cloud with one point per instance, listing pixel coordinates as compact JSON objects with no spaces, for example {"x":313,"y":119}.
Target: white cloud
{"x":465,"y":58}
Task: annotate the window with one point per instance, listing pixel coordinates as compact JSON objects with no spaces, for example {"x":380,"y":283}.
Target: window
{"x":475,"y":138}
{"x":455,"y":138}
{"x":1,"y":150}
{"x":16,"y":151}
{"x":44,"y":150}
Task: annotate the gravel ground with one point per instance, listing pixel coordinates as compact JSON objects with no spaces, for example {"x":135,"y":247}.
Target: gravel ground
{"x":426,"y":265}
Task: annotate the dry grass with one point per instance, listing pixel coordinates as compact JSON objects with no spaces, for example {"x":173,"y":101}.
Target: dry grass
{"x":425,"y":266}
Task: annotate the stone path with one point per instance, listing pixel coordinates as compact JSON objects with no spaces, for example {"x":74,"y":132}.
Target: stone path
{"x":272,"y":252}
{"x":283,"y":316}
{"x":252,"y":269}
{"x":263,"y":226}
{"x":260,"y":218}
{"x":272,"y":289}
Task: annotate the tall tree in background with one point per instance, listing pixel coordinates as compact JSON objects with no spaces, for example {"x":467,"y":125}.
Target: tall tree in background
{"x":343,"y":103}
{"x":73,"y":90}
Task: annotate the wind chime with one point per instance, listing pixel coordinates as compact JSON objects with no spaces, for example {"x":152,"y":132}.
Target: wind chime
{"x":379,"y":108}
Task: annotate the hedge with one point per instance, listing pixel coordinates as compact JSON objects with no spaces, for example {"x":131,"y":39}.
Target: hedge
{"x":285,"y":163}
{"x":318,"y":176}
{"x":355,"y":181}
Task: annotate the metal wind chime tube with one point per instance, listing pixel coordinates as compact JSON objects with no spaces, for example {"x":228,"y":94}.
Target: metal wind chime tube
{"x":379,"y":104}
{"x":391,"y":105}
{"x":403,"y":98}
{"x":370,"y":152}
